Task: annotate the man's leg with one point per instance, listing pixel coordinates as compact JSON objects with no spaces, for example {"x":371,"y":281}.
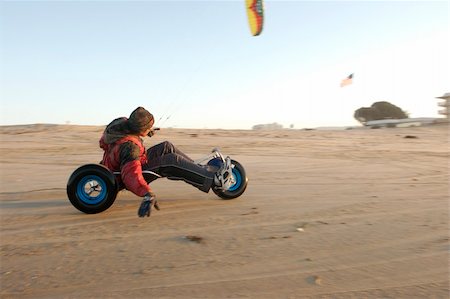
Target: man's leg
{"x":168,"y":161}
{"x":164,"y":148}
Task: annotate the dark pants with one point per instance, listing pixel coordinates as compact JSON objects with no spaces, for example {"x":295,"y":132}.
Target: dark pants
{"x":168,"y":161}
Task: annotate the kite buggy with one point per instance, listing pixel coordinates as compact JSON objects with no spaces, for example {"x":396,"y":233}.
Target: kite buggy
{"x":93,"y":188}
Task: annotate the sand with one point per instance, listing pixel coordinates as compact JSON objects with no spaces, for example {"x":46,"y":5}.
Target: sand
{"x":327,"y":214}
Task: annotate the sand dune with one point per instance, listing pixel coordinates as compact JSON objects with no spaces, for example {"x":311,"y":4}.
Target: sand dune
{"x":327,"y":214}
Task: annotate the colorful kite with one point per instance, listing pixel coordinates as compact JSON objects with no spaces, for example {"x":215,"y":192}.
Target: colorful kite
{"x":255,"y":13}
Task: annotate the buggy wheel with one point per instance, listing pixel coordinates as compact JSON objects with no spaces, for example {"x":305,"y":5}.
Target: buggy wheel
{"x":92,"y":188}
{"x":241,"y":181}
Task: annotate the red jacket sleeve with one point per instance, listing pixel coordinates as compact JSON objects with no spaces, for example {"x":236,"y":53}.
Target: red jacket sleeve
{"x":131,"y":174}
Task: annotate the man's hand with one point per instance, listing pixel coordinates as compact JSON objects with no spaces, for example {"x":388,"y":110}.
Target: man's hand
{"x":145,"y":208}
{"x":153,"y":132}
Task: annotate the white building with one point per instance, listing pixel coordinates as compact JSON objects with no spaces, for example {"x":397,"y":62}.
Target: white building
{"x":272,"y":126}
{"x":399,"y":123}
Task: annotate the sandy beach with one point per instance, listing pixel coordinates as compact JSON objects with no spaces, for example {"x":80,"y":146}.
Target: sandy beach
{"x":327,"y":214}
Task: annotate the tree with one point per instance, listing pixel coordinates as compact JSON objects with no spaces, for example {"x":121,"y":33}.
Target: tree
{"x":379,"y":110}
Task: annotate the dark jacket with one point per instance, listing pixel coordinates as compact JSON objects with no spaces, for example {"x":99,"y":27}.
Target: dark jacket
{"x":125,"y":152}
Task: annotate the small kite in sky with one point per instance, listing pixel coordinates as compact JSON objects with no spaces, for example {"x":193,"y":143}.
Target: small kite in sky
{"x":255,"y":13}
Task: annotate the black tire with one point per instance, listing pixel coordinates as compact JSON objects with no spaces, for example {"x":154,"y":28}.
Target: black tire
{"x":92,"y":188}
{"x":239,"y":187}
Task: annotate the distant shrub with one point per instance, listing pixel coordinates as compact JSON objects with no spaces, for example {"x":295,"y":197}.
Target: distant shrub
{"x":378,"y":111}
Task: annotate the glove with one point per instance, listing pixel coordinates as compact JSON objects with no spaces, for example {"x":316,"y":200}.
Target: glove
{"x":145,"y":208}
{"x":153,"y":132}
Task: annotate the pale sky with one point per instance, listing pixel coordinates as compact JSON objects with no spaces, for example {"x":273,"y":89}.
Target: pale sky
{"x":194,"y":64}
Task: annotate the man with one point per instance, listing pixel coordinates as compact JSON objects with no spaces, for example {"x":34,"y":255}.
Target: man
{"x":124,"y":151}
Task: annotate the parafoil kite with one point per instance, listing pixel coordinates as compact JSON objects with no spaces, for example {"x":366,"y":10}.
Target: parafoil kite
{"x":255,"y":13}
